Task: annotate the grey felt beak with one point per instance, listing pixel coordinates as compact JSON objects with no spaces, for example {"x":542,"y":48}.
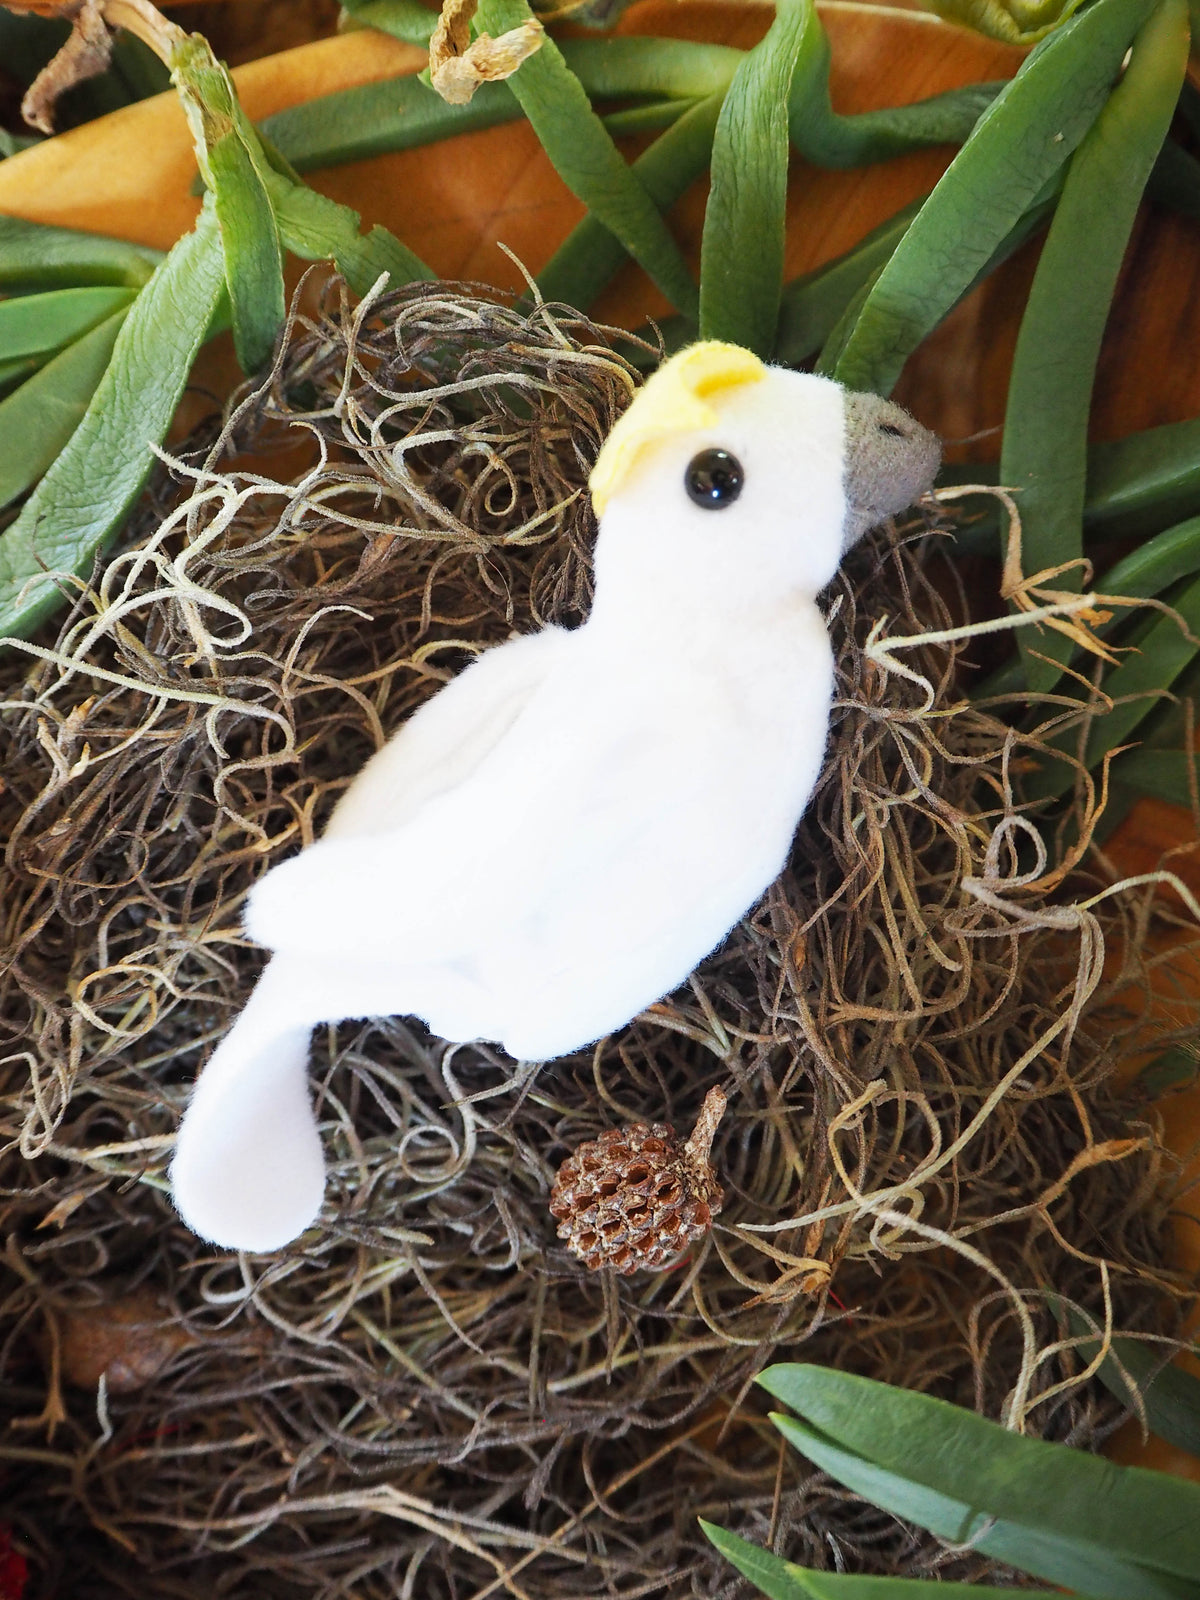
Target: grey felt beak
{"x":891,"y":461}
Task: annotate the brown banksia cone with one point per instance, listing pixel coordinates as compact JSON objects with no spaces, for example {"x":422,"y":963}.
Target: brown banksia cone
{"x":637,"y":1197}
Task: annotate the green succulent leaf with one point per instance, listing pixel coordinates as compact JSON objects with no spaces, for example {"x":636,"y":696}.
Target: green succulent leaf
{"x":740,"y":287}
{"x":252,"y":251}
{"x":234,"y":166}
{"x":408,"y":20}
{"x":784,"y":1580}
{"x":1118,"y":1533}
{"x":38,"y":324}
{"x":403,"y":113}
{"x":1139,"y":484}
{"x":319,"y":229}
{"x":78,"y":505}
{"x":1044,"y":455}
{"x":16,"y":371}
{"x":1165,"y":775}
{"x":11,"y":144}
{"x":35,"y":256}
{"x":1013,"y":21}
{"x":1014,"y":152}
{"x":587,"y":160}
{"x":591,"y":255}
{"x":828,"y":139}
{"x":37,"y":420}
{"x":812,"y":306}
{"x":1177,"y":1068}
{"x":1170,"y":1396}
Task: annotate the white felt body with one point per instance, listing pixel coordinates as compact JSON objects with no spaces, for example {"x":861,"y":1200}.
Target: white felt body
{"x":557,"y":838}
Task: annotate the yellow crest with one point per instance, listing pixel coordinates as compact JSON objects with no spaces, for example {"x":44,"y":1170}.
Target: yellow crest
{"x":674,"y":400}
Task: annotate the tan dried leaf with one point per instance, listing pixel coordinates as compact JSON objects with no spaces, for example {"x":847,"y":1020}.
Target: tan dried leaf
{"x":87,"y":52}
{"x":44,"y":8}
{"x":1028,"y":593}
{"x":85,"y":55}
{"x":58,"y":1215}
{"x":458,"y":64}
{"x":127,"y":1341}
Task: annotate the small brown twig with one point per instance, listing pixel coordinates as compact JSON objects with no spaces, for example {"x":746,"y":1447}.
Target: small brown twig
{"x":695,"y":1151}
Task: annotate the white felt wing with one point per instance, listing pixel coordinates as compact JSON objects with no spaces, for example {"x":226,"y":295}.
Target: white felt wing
{"x":442,"y":744}
{"x":368,"y":850}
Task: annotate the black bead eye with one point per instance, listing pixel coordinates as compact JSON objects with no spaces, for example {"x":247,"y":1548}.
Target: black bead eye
{"x":892,"y":431}
{"x":714,"y":479}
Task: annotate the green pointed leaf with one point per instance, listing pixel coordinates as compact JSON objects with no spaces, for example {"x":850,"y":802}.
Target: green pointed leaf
{"x":812,"y":306}
{"x":403,"y":113}
{"x":1145,"y":481}
{"x":233,"y":164}
{"x":1137,"y":686}
{"x":1170,"y":1395}
{"x":680,"y":68}
{"x":587,"y":160}
{"x":778,"y":1579}
{"x":1138,"y":485}
{"x":1166,"y":775}
{"x":827,"y":139}
{"x":1013,"y":21}
{"x":1082,"y":1565}
{"x":1152,"y":569}
{"x":1177,"y":1068}
{"x":78,"y":505}
{"x":36,"y":324}
{"x":319,"y":229}
{"x":741,"y":259}
{"x":38,"y":418}
{"x":1017,"y":146}
{"x":403,"y":19}
{"x":377,"y":118}
{"x":1118,"y":1532}
{"x":785,"y":1580}
{"x":1044,"y":455}
{"x":11,"y":144}
{"x":1158,"y":564}
{"x":34,"y":256}
{"x":844,"y":329}
{"x":1175,"y":181}
{"x":591,"y":255}
{"x":138,"y":68}
{"x":14,"y":372}
{"x":253,"y":256}
{"x":652,"y":116}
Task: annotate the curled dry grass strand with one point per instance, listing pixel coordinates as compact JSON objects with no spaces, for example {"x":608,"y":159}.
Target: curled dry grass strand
{"x":918,"y":1027}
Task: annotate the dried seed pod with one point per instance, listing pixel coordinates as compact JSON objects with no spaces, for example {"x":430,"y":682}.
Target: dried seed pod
{"x":637,"y":1197}
{"x":127,"y":1341}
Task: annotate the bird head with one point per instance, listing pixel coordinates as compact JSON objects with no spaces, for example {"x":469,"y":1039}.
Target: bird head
{"x":749,"y":479}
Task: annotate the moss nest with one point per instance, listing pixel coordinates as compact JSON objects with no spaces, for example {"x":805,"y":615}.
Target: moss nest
{"x":919,"y":1028}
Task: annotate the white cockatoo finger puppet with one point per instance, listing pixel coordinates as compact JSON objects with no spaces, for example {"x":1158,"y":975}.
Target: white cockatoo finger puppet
{"x":564,"y":831}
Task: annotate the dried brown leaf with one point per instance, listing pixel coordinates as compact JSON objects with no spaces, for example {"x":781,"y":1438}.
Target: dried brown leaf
{"x":85,"y":55}
{"x":458,"y":64}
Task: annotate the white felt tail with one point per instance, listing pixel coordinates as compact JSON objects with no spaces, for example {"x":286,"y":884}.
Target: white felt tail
{"x":248,"y":1171}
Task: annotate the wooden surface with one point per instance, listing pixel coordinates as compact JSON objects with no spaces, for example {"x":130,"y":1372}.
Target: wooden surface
{"x":1156,"y":835}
